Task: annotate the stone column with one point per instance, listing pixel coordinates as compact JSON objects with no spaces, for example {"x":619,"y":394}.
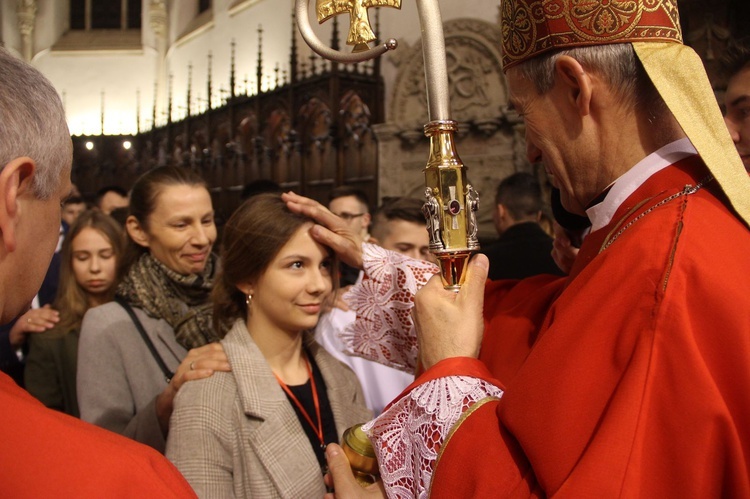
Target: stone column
{"x":159,"y":21}
{"x":26,"y":19}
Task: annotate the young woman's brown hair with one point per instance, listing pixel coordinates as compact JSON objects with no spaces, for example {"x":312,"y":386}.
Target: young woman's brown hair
{"x":253,"y":236}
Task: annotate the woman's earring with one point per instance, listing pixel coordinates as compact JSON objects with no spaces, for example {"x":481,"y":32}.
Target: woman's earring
{"x":249,"y":299}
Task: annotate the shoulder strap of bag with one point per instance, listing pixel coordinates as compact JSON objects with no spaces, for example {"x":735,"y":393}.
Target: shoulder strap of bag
{"x":150,"y":344}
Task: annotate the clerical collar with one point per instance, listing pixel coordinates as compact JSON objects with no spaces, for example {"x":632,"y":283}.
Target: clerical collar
{"x":598,"y":199}
{"x":601,"y":214}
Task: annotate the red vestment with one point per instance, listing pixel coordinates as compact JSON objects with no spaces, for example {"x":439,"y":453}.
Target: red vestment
{"x":631,"y":378}
{"x":45,"y":453}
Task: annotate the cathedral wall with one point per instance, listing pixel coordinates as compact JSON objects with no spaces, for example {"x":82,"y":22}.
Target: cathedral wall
{"x":82,"y":73}
{"x":52,"y":22}
{"x":11,"y":37}
{"x":82,"y":78}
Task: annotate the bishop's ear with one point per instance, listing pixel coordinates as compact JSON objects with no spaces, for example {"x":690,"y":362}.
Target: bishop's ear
{"x":16,"y":179}
{"x":576,"y":81}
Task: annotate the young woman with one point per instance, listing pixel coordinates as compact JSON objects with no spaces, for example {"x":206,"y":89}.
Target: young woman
{"x":260,"y":430}
{"x":88,"y":278}
{"x":131,"y":366}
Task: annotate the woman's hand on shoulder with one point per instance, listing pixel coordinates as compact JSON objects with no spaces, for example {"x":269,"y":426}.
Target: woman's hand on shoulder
{"x":35,"y":320}
{"x":199,"y":363}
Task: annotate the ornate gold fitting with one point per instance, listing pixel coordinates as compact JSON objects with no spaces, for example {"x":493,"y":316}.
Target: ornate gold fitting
{"x":358,"y":449}
{"x":451,"y":205}
{"x":360,"y":31}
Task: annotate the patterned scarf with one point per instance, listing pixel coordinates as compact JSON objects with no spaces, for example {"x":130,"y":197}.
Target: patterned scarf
{"x":181,"y":300}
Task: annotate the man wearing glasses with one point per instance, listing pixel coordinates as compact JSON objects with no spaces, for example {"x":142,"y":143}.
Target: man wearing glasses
{"x":352,"y":205}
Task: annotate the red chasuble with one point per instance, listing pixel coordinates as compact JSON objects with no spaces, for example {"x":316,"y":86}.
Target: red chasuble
{"x":45,"y":453}
{"x":629,"y":379}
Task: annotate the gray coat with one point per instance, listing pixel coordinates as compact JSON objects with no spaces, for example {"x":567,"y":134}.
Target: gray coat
{"x":118,"y":378}
{"x":235,"y":434}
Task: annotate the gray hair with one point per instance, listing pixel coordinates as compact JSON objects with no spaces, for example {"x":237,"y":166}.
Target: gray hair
{"x":616,"y":63}
{"x":32,"y":123}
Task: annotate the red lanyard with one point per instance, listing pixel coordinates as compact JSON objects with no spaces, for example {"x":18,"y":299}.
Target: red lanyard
{"x":319,"y":429}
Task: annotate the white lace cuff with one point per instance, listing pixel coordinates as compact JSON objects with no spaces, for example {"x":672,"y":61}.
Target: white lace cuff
{"x":409,"y":435}
{"x":384,"y":331}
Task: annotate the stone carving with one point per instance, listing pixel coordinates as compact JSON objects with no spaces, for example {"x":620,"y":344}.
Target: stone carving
{"x":26,"y":16}
{"x":26,"y":19}
{"x":158,"y":17}
{"x":355,"y":115}
{"x":477,"y":85}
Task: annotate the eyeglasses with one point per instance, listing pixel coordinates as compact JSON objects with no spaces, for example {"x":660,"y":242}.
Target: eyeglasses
{"x":349,"y":216}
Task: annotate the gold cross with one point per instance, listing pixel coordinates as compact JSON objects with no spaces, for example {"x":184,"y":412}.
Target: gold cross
{"x":360,"y":32}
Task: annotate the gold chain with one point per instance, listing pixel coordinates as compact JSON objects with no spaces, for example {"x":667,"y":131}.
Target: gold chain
{"x":687,"y":190}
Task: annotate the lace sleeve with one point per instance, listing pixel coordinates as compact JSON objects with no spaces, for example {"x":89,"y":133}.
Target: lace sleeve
{"x":408,"y":436}
{"x":384,"y":330}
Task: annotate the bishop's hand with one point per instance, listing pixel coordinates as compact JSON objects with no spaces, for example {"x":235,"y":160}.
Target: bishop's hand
{"x":332,"y":231}
{"x":451,"y":324}
{"x":341,"y":479}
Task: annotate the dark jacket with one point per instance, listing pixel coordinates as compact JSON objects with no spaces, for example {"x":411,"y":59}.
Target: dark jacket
{"x":523,"y":250}
{"x":50,"y":373}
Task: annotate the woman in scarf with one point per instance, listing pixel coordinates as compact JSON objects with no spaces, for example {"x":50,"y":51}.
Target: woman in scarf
{"x":135,"y":353}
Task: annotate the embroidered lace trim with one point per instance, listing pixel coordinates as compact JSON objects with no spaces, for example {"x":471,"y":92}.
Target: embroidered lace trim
{"x":384,"y":331}
{"x":409,"y":435}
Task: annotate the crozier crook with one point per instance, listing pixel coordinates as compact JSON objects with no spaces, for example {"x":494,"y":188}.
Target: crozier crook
{"x":451,"y":202}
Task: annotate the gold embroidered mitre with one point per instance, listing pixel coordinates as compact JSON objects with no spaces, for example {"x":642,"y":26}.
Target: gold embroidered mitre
{"x":532,"y":27}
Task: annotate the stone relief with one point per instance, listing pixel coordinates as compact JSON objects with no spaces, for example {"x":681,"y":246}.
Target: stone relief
{"x":26,"y":11}
{"x":477,"y":85}
{"x":158,"y":17}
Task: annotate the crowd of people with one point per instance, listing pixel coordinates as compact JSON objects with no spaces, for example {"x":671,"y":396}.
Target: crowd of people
{"x":144,"y":306}
{"x":147,"y":357}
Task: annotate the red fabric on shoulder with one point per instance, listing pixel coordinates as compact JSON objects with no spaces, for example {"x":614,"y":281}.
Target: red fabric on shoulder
{"x":46,"y":453}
